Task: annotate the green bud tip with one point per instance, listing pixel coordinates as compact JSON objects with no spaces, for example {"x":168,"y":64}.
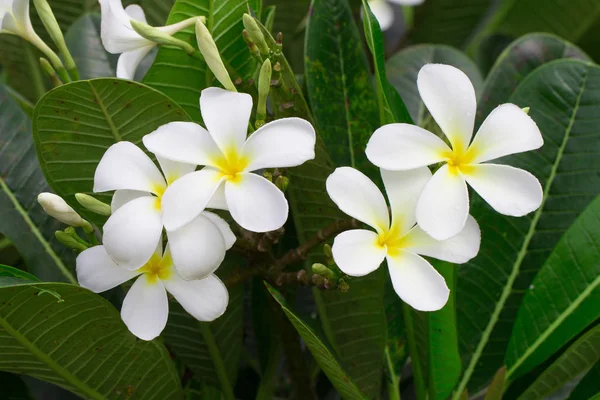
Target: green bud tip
{"x":327,"y":251}
{"x":264,"y":80}
{"x":210,"y":52}
{"x":255,"y":33}
{"x":526,"y":109}
{"x":322,"y":270}
{"x":47,"y":67}
{"x":69,"y":241}
{"x":93,"y":204}
{"x":268,"y":176}
{"x":282,"y":182}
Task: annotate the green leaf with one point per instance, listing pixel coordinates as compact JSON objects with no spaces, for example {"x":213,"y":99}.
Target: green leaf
{"x":353,"y":322}
{"x":85,"y":45}
{"x":403,"y":68}
{"x":392,"y":108}
{"x":21,"y":62}
{"x":156,"y":11}
{"x":71,"y":337}
{"x":588,"y":387}
{"x":562,"y":299}
{"x":516,"y":62}
{"x":321,"y":351}
{"x":564,"y":96}
{"x":182,"y":77}
{"x":577,"y":358}
{"x":339,"y":85}
{"x":8,"y":274}
{"x":211,"y":350}
{"x":22,"y":219}
{"x":74,"y":125}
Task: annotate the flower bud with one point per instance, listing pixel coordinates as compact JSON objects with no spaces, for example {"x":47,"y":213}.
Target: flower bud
{"x":268,"y":176}
{"x":264,"y":86}
{"x":159,"y":36}
{"x":208,"y":48}
{"x":50,"y":72}
{"x":322,"y":270}
{"x":526,"y":110}
{"x":327,"y":251}
{"x":69,"y":241}
{"x":93,"y":204}
{"x":282,"y":182}
{"x":255,"y":33}
{"x":56,"y":207}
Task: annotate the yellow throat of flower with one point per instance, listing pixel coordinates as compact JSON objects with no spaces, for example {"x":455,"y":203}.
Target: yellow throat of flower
{"x":460,"y":159}
{"x":392,"y":240}
{"x":159,"y":190}
{"x":231,"y":164}
{"x":158,"y":267}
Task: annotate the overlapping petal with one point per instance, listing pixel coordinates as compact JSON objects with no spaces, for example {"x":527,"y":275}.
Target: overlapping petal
{"x":403,"y":146}
{"x":223,"y":226}
{"x":417,"y":282}
{"x":255,"y":203}
{"x":124,"y":196}
{"x":507,"y":130}
{"x":357,"y":252}
{"x":173,"y":170}
{"x":126,"y":166}
{"x":443,"y":207}
{"x":129,"y":61}
{"x":356,"y":195}
{"x":133,"y":231}
{"x":116,"y":32}
{"x":226,"y":115}
{"x":98,"y":272}
{"x":509,"y":190}
{"x":205,"y":299}
{"x":450,"y":98}
{"x":286,"y":142}
{"x":146,"y":308}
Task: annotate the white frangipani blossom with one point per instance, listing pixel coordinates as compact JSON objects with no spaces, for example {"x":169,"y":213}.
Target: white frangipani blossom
{"x":384,"y":12}
{"x":145,"y":308}
{"x":119,"y":37}
{"x":359,"y":252}
{"x":229,"y":158}
{"x":15,"y":20}
{"x":136,"y":223}
{"x":443,"y":207}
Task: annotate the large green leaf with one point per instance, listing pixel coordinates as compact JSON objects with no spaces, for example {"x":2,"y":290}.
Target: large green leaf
{"x":403,"y":68}
{"x":589,"y":386}
{"x":21,"y":180}
{"x":21,"y":63}
{"x":321,"y":351}
{"x":339,"y":86}
{"x":564,"y":97}
{"x":353,"y":322}
{"x":210,"y":350}
{"x":577,"y":358}
{"x":74,"y":125}
{"x":85,"y":45}
{"x":73,"y":338}
{"x":516,"y":62}
{"x":182,"y":77}
{"x":562,"y":299}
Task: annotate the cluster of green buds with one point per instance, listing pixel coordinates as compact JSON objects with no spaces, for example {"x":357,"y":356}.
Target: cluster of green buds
{"x":328,"y":276}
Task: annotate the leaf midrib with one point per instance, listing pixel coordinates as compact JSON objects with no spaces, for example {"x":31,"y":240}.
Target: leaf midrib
{"x":506,"y":292}
{"x":107,"y":116}
{"x":219,"y":365}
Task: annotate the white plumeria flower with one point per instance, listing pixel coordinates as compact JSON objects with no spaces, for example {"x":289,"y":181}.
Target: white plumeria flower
{"x":14,"y":18}
{"x":118,"y":36}
{"x":136,"y":223}
{"x":444,"y":204}
{"x":359,"y":252}
{"x":254,"y":202}
{"x":145,"y":308}
{"x":384,"y":12}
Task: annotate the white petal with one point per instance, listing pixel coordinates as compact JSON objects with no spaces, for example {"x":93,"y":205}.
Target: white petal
{"x":185,"y":142}
{"x":9,"y":24}
{"x":407,"y":2}
{"x":357,"y":196}
{"x":510,"y":191}
{"x":403,"y":190}
{"x":20,"y":9}
{"x":146,"y":308}
{"x":124,"y":196}
{"x":458,"y":249}
{"x":187,"y":197}
{"x":443,"y":207}
{"x":507,"y":130}
{"x":403,"y":146}
{"x":136,"y":12}
{"x":115,"y":29}
{"x":98,"y":272}
{"x":383,"y":12}
{"x":226,"y":115}
{"x":256,"y":204}
{"x":286,"y":142}
{"x":218,"y":201}
{"x":417,"y":283}
{"x":450,"y":98}
{"x":132,"y":232}
{"x":129,"y":61}
{"x":126,"y":166}
{"x":198,"y":248}
{"x":174,"y":170}
{"x":223,"y":226}
{"x":357,"y":252}
{"x":205,"y":299}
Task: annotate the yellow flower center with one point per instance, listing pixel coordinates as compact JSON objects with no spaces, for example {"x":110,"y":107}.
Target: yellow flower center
{"x":231,"y":164}
{"x":460,"y":159}
{"x":158,"y":268}
{"x":392,"y":240}
{"x":159,"y":190}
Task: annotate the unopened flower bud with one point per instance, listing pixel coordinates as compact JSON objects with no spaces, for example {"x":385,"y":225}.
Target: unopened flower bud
{"x":255,"y":33}
{"x":210,"y":52}
{"x":159,"y":36}
{"x":268,"y":176}
{"x":93,"y":204}
{"x":526,"y":109}
{"x":56,"y":207}
{"x":69,"y":241}
{"x":264,"y":86}
{"x":50,"y":72}
{"x":282,"y":182}
{"x":327,"y":251}
{"x":322,"y":270}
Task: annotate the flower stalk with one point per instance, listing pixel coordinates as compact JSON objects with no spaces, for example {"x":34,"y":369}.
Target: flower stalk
{"x":50,"y":72}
